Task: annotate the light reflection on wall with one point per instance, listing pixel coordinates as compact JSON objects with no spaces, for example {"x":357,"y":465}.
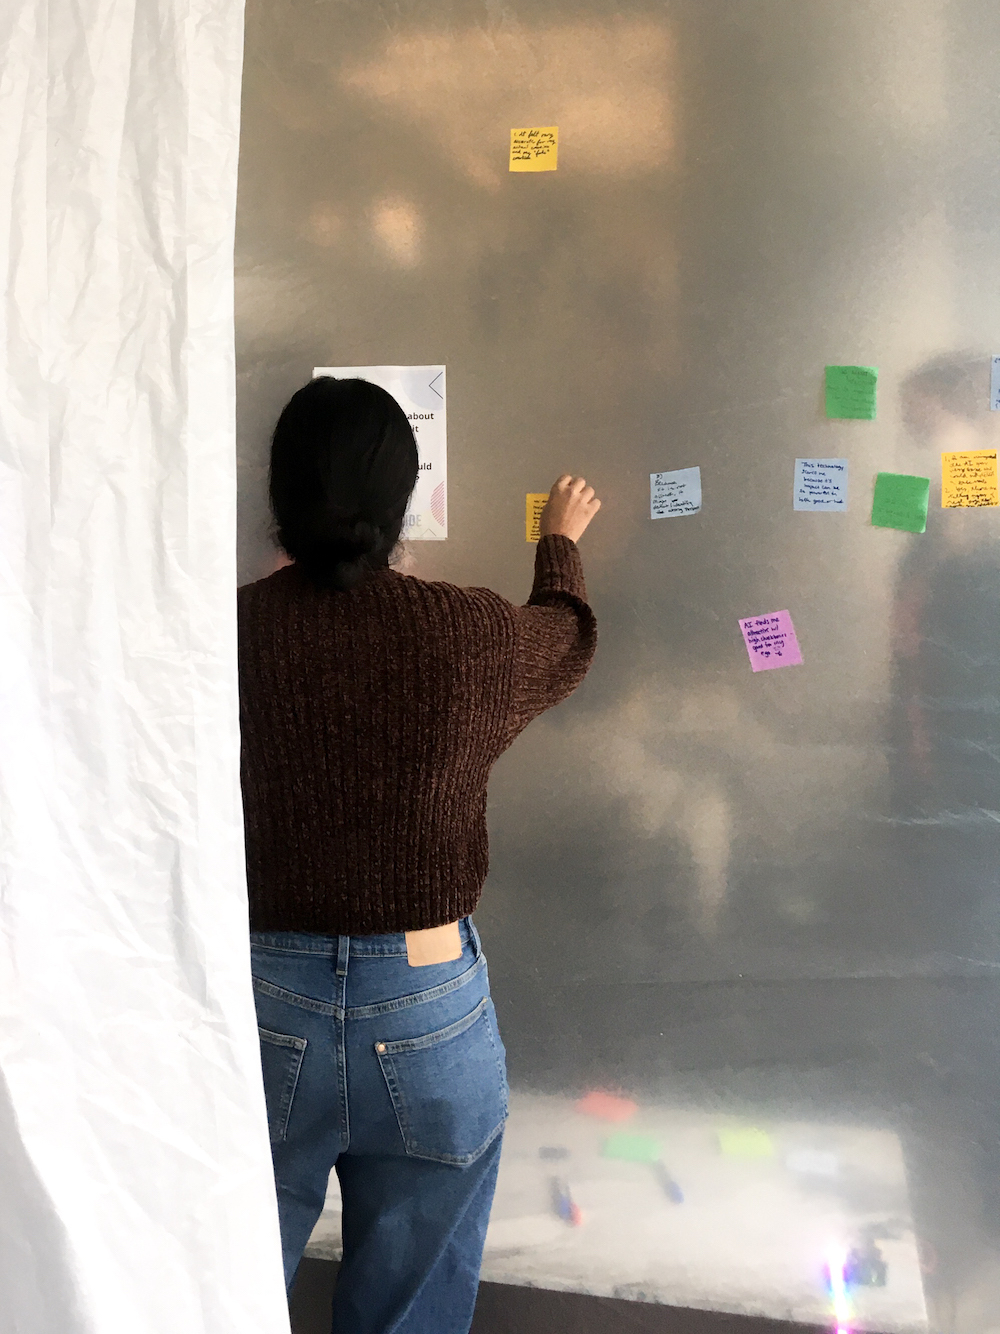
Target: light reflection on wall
{"x":606,"y":85}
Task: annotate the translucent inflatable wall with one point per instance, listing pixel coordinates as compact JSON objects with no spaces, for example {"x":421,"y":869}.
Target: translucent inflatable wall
{"x":744,"y":926}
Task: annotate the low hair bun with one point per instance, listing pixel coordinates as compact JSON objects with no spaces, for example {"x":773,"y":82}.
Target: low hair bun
{"x":343,"y":555}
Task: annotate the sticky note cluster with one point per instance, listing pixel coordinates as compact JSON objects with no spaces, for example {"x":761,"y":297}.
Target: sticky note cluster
{"x":771,"y":641}
{"x":534,"y":149}
{"x":969,"y":479}
{"x":674,"y":493}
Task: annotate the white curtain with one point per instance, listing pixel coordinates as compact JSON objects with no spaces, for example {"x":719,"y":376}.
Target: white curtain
{"x":135,"y":1186}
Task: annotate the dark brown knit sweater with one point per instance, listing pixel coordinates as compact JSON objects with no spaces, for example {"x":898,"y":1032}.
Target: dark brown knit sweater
{"x":371,"y":720}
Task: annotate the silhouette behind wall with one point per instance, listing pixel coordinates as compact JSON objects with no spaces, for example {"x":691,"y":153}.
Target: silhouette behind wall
{"x":945,"y":721}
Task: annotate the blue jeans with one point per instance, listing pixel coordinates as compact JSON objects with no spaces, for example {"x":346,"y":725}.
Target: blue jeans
{"x":396,"y":1077}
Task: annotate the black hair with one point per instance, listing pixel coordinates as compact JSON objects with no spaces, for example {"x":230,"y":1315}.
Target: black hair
{"x":343,"y":466}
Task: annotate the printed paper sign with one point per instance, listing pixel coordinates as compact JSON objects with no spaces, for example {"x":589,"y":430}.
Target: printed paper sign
{"x":534,"y":149}
{"x":969,"y":479}
{"x":534,"y":504}
{"x":674,"y":493}
{"x":420,"y":392}
{"x":771,"y":641}
{"x":995,"y":384}
{"x":900,"y":501}
{"x":850,"y":392}
{"x":820,"y":484}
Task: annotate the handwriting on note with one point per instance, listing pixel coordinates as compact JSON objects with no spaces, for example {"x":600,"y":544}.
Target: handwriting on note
{"x":820,"y":484}
{"x":969,"y":479}
{"x":674,"y":493}
{"x":900,"y":501}
{"x":771,"y":641}
{"x":995,"y":384}
{"x":534,"y":149}
{"x":534,"y":504}
{"x":850,"y":392}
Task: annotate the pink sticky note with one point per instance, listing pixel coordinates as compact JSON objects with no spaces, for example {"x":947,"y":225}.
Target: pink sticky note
{"x":771,"y":641}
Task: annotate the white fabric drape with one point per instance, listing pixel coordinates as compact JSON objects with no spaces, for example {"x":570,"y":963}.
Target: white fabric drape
{"x":135,"y":1186}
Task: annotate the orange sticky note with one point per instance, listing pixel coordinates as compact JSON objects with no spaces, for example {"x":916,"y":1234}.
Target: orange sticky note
{"x":535,"y":503}
{"x":969,"y":479}
{"x":534,"y":149}
{"x":608,"y":1106}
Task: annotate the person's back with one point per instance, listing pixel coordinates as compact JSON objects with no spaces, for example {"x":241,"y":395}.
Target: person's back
{"x":373,"y":706}
{"x":371,"y":719}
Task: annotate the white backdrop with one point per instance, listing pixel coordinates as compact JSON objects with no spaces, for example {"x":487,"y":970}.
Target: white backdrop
{"x":135,"y":1186}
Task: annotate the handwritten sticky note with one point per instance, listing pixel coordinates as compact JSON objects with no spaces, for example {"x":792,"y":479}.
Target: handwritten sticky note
{"x":900,"y":501}
{"x":995,"y":384}
{"x":746,"y":1142}
{"x":534,"y":504}
{"x":820,"y":484}
{"x":969,"y":479}
{"x":633,"y":1148}
{"x":771,"y":641}
{"x":534,"y":149}
{"x":850,"y":392}
{"x":674,"y":493}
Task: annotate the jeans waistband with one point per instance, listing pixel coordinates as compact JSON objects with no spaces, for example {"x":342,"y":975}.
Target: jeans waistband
{"x":356,"y":947}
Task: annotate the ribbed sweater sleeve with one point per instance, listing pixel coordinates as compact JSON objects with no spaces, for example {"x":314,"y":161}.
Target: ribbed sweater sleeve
{"x":555,"y":634}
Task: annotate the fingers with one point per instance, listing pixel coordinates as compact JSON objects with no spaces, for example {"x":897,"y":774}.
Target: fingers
{"x":575,"y":485}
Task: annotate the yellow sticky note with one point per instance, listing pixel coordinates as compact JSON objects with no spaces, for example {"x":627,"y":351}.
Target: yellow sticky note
{"x":533,"y":513}
{"x":534,"y":149}
{"x":969,"y":479}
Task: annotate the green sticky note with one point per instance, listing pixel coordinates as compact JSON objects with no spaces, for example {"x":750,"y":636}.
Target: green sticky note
{"x":746,"y":1142}
{"x":633,"y":1148}
{"x":850,"y":392}
{"x":901,"y":502}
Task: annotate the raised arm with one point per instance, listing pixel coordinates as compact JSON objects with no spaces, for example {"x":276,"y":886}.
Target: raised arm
{"x":555,"y":633}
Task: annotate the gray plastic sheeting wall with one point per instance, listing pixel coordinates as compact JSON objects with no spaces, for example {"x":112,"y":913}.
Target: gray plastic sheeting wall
{"x":763,"y":908}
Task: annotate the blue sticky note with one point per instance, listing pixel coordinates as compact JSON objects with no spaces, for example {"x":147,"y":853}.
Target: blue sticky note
{"x":674,"y":493}
{"x":995,"y":384}
{"x":820,"y":484}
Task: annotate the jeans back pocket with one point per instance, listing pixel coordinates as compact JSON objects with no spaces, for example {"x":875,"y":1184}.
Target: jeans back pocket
{"x":281,"y":1058}
{"x":448,"y":1089}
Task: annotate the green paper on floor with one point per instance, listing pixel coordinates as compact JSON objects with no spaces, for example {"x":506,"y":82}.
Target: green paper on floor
{"x":633,"y":1148}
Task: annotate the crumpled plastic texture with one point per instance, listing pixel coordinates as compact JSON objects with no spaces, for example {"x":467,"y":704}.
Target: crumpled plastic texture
{"x":136,"y":1194}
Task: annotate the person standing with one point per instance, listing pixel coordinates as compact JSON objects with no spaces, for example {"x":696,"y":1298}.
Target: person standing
{"x":373,"y":706}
